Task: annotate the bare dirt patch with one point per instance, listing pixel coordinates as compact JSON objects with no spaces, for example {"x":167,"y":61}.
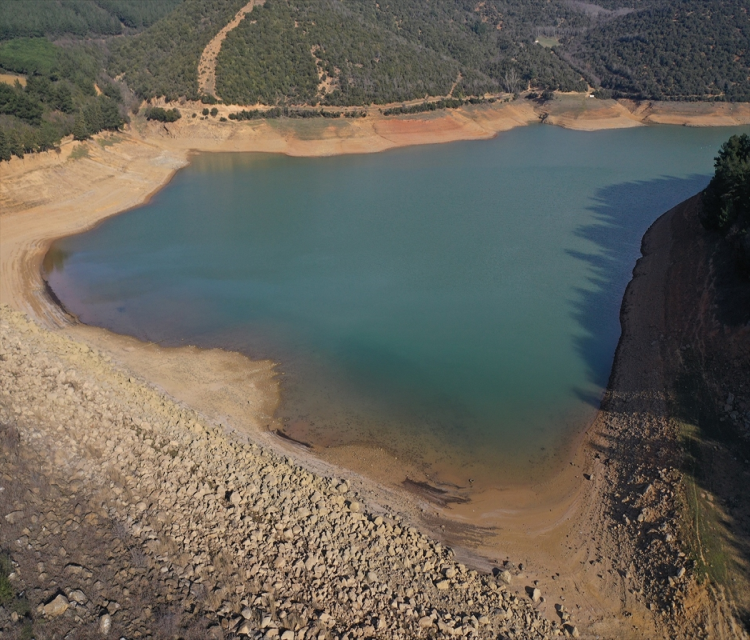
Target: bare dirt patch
{"x":9,"y":78}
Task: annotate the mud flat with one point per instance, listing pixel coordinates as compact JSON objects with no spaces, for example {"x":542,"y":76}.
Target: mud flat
{"x":601,"y":543}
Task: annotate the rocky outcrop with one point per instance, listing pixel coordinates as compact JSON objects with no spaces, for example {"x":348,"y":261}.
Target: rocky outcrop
{"x":127,"y":515}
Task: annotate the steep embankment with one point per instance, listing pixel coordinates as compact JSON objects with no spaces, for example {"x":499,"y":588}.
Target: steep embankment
{"x":664,"y":388}
{"x":707,"y":351}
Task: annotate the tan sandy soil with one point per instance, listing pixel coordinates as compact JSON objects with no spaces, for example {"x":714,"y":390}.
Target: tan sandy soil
{"x":562,"y":529}
{"x":9,"y":78}
{"x":691,"y":114}
{"x":207,"y":64}
{"x":578,"y":111}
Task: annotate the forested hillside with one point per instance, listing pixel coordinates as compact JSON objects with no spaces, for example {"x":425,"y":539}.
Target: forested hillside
{"x":163,"y":61}
{"x":88,"y":60}
{"x":35,"y":18}
{"x":60,"y":97}
{"x":676,"y":49}
{"x":56,"y":46}
{"x":359,"y":52}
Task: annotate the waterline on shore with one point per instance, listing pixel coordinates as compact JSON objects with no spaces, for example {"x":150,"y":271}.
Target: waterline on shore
{"x":481,"y":364}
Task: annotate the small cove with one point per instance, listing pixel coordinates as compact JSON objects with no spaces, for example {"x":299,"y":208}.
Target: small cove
{"x":457,"y":304}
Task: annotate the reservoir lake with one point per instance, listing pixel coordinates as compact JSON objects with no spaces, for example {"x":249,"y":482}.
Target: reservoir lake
{"x":456,"y":305}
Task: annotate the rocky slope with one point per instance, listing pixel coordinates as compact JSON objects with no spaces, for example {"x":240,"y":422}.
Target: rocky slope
{"x":126,"y":515}
{"x":660,"y":444}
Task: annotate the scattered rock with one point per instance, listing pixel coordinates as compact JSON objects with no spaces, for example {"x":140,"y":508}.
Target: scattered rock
{"x":167,"y":507}
{"x":425,"y":622}
{"x":105,"y":624}
{"x":57,"y":607}
{"x":78,"y":596}
{"x":14,"y":517}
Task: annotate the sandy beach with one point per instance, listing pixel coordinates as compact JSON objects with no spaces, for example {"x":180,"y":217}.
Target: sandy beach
{"x":561,"y":531}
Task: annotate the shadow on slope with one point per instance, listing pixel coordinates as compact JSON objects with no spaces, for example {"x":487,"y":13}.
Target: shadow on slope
{"x":624,"y":212}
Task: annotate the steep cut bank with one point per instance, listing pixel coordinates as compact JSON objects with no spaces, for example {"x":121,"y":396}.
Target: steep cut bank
{"x":707,"y":353}
{"x":655,"y":442}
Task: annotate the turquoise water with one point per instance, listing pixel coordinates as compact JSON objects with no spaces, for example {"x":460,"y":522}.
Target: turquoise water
{"x":456,"y":304}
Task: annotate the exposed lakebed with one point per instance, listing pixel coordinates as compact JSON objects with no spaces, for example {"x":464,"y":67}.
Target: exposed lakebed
{"x":456,"y":305}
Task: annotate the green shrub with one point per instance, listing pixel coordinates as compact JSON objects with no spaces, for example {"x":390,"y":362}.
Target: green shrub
{"x":726,"y":200}
{"x":29,"y":56}
{"x":7,"y":593}
{"x":163,"y":115}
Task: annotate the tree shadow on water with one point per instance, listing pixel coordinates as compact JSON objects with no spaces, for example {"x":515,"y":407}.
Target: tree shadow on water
{"x":624,"y":212}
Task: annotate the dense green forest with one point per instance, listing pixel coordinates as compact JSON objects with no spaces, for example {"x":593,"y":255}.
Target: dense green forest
{"x":59,"y":98}
{"x":389,"y":52}
{"x":292,"y":53}
{"x":671,"y":50}
{"x":67,"y":90}
{"x":726,"y":200}
{"x":163,"y":61}
{"x":36,"y":18}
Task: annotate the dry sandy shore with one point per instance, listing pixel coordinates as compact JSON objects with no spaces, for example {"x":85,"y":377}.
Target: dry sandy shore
{"x":562,"y":532}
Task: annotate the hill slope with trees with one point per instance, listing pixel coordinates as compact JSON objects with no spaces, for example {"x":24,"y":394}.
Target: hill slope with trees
{"x":670,"y":50}
{"x":38,"y":18}
{"x":86,"y":60}
{"x":726,"y":200}
{"x":362,"y":52}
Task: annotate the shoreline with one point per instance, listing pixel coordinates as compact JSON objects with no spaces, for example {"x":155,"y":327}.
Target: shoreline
{"x":73,"y":195}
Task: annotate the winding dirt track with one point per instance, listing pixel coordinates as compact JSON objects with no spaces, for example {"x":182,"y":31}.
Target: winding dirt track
{"x":207,"y":64}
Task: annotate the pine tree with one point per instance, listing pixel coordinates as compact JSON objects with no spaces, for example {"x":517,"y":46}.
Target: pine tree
{"x":5,"y":153}
{"x":80,"y":128}
{"x":14,"y":142}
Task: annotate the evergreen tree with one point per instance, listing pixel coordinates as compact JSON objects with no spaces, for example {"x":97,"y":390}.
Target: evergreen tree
{"x":48,"y":137}
{"x":92,"y":112}
{"x":110,"y":114}
{"x":14,"y":142}
{"x":5,"y":153}
{"x":727,"y":197}
{"x":63,"y":99}
{"x":80,"y":128}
